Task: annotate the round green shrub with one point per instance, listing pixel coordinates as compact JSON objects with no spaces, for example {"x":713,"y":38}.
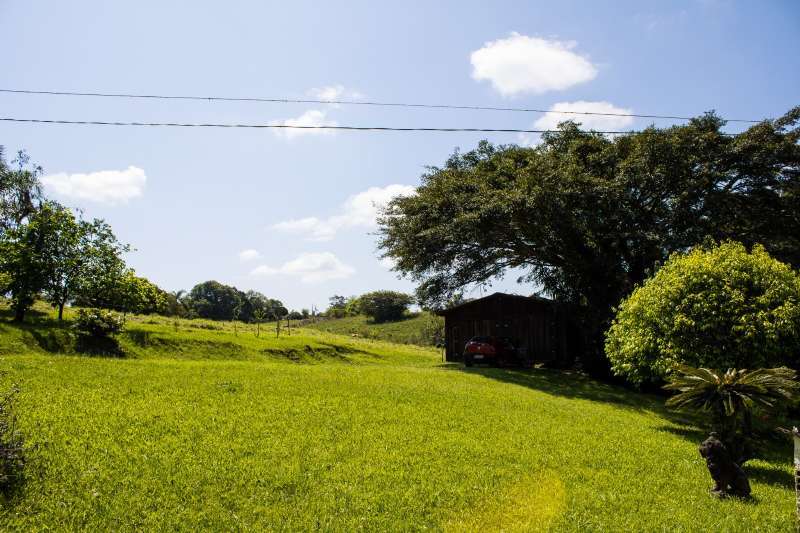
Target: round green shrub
{"x":384,"y":306}
{"x":98,"y":323}
{"x":719,"y":307}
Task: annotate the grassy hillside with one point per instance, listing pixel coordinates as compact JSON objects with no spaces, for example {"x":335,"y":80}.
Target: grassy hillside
{"x":410,"y":330}
{"x":202,"y":428}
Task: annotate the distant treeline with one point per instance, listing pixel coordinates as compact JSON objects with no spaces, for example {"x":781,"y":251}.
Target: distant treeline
{"x":50,"y":252}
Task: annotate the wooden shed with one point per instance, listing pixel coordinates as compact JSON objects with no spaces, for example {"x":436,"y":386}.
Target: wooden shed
{"x":538,"y":327}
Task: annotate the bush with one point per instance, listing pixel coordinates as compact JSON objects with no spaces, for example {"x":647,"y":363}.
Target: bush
{"x":718,"y":307}
{"x":98,"y":323}
{"x":384,"y":306}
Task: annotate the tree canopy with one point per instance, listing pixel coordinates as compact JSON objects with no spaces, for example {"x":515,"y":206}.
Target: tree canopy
{"x":588,"y":217}
{"x":384,"y":306}
{"x":20,"y":189}
{"x":217,"y":301}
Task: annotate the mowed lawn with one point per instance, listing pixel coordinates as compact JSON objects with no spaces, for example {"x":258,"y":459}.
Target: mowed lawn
{"x":367,"y":436}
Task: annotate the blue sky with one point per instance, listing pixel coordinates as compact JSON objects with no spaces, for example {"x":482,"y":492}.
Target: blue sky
{"x":291,"y":216}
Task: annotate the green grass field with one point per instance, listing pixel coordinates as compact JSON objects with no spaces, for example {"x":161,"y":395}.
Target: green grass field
{"x":200,"y":427}
{"x":407,"y":331}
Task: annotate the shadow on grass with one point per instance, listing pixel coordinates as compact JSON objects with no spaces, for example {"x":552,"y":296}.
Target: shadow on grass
{"x":692,"y":433}
{"x":569,"y":384}
{"x":57,"y":337}
{"x":139,"y":337}
{"x":404,"y":318}
{"x":59,"y":340}
{"x":98,"y":347}
{"x":770,"y":475}
{"x":310,"y":354}
{"x":7,"y":313}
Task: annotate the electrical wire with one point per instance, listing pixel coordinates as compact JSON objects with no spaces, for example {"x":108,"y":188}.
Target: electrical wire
{"x":285,"y":126}
{"x":352,"y":102}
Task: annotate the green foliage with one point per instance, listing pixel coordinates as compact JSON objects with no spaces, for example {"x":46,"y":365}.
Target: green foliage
{"x":423,"y":329}
{"x":366,"y":435}
{"x":433,"y":329}
{"x":731,"y":392}
{"x":337,"y":302}
{"x":26,"y":256}
{"x":254,"y":302}
{"x":104,"y":269}
{"x":142,"y":296}
{"x":65,"y":258}
{"x":12,"y":450}
{"x":174,"y":305}
{"x":716,"y":308}
{"x":213,"y":300}
{"x":295,"y":315}
{"x":341,"y":307}
{"x":20,"y":190}
{"x":588,"y":217}
{"x":384,"y":306}
{"x":98,"y":323}
{"x":730,"y":397}
{"x":216,"y":301}
{"x":64,"y":249}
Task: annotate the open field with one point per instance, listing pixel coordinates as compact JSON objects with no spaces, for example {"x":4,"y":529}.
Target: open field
{"x":407,"y":331}
{"x":206,"y":428}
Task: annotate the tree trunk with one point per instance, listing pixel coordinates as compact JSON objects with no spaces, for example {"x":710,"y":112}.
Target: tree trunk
{"x":19,"y":313}
{"x":61,"y":311}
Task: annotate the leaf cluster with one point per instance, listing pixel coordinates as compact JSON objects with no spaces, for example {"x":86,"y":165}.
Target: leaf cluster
{"x":717,"y":307}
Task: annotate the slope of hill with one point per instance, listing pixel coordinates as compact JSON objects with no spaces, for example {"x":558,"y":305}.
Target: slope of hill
{"x":415,"y":329}
{"x":204,"y":428}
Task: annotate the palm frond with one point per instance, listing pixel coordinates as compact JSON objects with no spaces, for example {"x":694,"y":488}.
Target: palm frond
{"x":731,"y":391}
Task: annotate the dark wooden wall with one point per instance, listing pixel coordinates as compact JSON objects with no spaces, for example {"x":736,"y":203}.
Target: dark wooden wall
{"x":539,"y":327}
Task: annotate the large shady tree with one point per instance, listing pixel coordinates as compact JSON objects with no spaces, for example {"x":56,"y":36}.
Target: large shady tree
{"x":588,"y":217}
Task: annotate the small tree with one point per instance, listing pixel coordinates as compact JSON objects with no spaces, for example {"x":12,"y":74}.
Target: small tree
{"x":237,"y":311}
{"x":66,"y":249}
{"x":433,"y":329}
{"x":729,"y":398}
{"x":717,"y":307}
{"x":26,"y":257}
{"x":384,"y":306}
{"x":104,"y":268}
{"x":258,"y":317}
{"x":20,"y":190}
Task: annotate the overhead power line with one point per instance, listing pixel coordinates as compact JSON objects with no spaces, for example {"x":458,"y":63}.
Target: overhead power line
{"x":285,"y":126}
{"x":298,"y":127}
{"x":353,"y":102}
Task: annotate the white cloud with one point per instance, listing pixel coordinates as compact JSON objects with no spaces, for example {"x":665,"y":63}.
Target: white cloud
{"x":520,"y":64}
{"x":360,"y":210}
{"x":248,"y":255}
{"x":312,"y":117}
{"x":106,"y":186}
{"x":334,"y":92}
{"x":314,"y":228}
{"x":309,"y":267}
{"x":551,"y":120}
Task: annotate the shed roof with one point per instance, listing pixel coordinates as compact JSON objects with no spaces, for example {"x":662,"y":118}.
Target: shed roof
{"x":496,"y":295}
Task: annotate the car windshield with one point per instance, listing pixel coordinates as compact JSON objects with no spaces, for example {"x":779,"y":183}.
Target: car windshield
{"x":479,"y":339}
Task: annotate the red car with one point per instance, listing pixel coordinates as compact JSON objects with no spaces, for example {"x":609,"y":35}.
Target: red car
{"x":490,"y":350}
